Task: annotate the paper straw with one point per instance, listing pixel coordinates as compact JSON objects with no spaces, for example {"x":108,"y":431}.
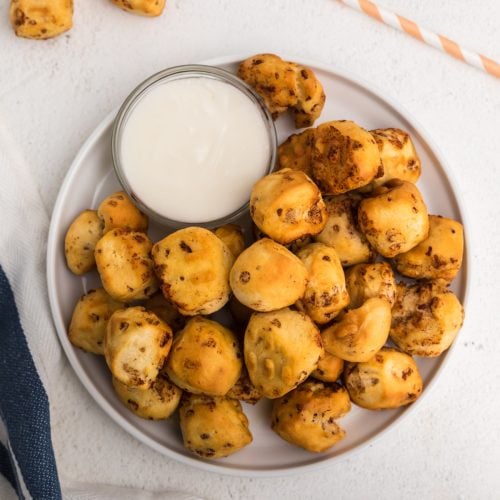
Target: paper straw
{"x":424,"y":35}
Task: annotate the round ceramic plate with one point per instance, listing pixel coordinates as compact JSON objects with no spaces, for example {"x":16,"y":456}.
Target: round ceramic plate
{"x":91,"y":178}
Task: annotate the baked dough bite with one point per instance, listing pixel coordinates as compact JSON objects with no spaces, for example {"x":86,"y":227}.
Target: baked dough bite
{"x":361,"y":332}
{"x":149,"y":8}
{"x":425,"y":318}
{"x":90,"y":318}
{"x":281,"y":348}
{"x":395,"y":218}
{"x":118,"y":211}
{"x":244,"y":390}
{"x":389,"y":379}
{"x":329,"y":368}
{"x":267,"y":276}
{"x":284,"y":85}
{"x":306,"y":416}
{"x":193,"y":265}
{"x":365,"y":281}
{"x":80,"y":241}
{"x":158,"y":402}
{"x":41,"y":19}
{"x":232,"y":236}
{"x":125,"y":266}
{"x":345,"y":157}
{"x":166,"y":311}
{"x":286,"y":205}
{"x":326,"y":294}
{"x":296,"y":152}
{"x":273,"y":79}
{"x":136,"y":345}
{"x":213,"y":427}
{"x":205,"y":358}
{"x":399,"y":157}
{"x":439,"y":256}
{"x":342,"y":231}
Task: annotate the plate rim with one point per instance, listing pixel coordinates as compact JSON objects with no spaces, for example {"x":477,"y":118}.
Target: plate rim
{"x":219,"y":467}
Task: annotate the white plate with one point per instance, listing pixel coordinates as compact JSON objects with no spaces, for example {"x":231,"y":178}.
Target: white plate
{"x":91,"y":178}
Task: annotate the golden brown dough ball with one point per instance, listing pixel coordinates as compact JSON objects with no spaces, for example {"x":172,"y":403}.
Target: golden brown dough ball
{"x":244,"y":390}
{"x":158,"y":402}
{"x":345,"y":157}
{"x":136,"y":345}
{"x":281,"y":349}
{"x":395,"y":218}
{"x":80,"y":241}
{"x":193,"y":266}
{"x":90,"y":318}
{"x":205,"y":358}
{"x":284,"y":85}
{"x":118,"y":211}
{"x":342,"y":231}
{"x":267,"y":276}
{"x":296,"y":152}
{"x":273,"y":79}
{"x":326,"y":294}
{"x":306,"y":416}
{"x":286,"y":205}
{"x":213,"y":427}
{"x":365,"y":281}
{"x":361,"y":332}
{"x":41,"y":19}
{"x":329,"y":368}
{"x":125,"y":266}
{"x":142,"y":7}
{"x":166,"y":311}
{"x":425,"y":318}
{"x":389,"y":379}
{"x":232,"y":236}
{"x":399,"y":158}
{"x":439,"y":256}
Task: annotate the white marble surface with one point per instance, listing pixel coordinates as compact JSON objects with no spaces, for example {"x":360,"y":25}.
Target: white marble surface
{"x":52,"y":95}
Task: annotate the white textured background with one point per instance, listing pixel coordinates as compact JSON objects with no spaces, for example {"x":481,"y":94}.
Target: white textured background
{"x":53,"y":94}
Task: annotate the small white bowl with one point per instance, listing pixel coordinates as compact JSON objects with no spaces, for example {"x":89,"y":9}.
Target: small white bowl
{"x":161,"y":78}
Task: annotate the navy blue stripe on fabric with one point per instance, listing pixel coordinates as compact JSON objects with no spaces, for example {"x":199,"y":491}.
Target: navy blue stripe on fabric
{"x":6,"y":466}
{"x":24,"y":404}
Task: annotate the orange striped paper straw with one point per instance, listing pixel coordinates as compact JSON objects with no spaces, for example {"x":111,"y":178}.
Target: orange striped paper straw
{"x":424,"y":35}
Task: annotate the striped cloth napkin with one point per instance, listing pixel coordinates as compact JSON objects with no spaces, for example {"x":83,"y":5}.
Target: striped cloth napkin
{"x":31,"y":359}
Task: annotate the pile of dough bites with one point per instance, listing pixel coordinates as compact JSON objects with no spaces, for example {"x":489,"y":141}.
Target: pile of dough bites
{"x":43,"y":19}
{"x":314,"y":298}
